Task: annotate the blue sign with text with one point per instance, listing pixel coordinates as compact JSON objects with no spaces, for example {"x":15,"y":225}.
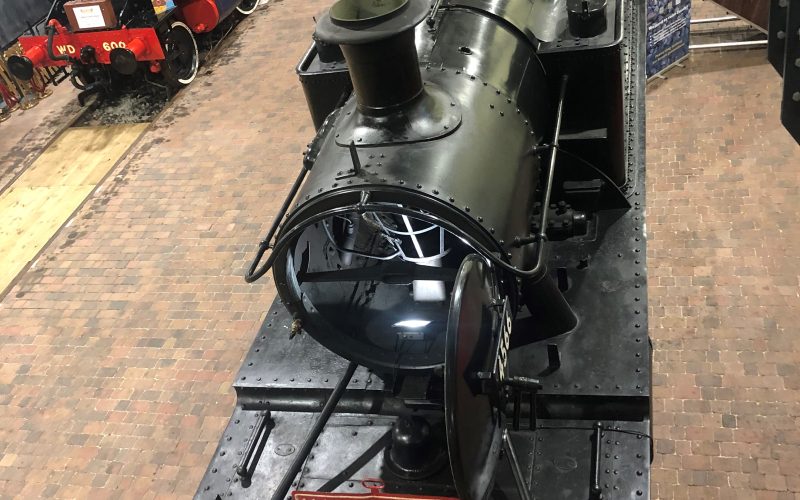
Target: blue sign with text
{"x":668,"y":23}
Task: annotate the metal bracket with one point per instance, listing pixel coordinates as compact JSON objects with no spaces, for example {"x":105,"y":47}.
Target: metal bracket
{"x":519,"y":386}
{"x":255,"y":445}
{"x":595,"y":490}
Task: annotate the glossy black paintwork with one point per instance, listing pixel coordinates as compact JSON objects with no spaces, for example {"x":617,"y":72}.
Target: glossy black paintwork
{"x":482,"y":110}
{"x":605,"y":369}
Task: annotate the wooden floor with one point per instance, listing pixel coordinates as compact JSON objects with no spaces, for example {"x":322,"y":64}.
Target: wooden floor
{"x":43,"y":198}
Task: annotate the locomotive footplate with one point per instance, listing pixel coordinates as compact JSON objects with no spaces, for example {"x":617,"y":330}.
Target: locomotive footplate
{"x":596,"y":379}
{"x":286,"y":382}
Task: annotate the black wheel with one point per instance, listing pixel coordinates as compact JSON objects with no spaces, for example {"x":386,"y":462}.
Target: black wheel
{"x":247,"y":7}
{"x":182,"y":57}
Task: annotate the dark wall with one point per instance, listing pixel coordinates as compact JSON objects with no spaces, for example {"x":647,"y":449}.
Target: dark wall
{"x":755,"y":11}
{"x":15,"y":15}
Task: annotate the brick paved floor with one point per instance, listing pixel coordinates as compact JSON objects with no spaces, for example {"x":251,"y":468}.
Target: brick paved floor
{"x":724,"y":259}
{"x":27,"y":132}
{"x":119,"y":346}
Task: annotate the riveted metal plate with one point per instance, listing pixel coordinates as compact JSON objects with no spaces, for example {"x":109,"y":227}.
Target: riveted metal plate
{"x":277,"y":365}
{"x":434,"y":114}
{"x":607,"y":289}
{"x":563,"y":460}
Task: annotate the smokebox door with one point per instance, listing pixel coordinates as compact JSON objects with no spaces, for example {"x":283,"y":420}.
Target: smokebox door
{"x":472,"y":419}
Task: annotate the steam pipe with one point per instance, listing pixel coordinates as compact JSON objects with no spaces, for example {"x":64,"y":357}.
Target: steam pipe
{"x":552,"y":168}
{"x":519,"y":479}
{"x":540,"y":293}
{"x":254,"y":273}
{"x":51,"y":32}
{"x":316,"y":430}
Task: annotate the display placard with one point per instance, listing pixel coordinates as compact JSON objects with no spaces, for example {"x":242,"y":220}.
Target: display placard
{"x":85,"y":15}
{"x":89,"y":17}
{"x":668,"y":23}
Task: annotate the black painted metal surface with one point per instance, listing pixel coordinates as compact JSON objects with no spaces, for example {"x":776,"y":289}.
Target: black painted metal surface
{"x":324,"y":83}
{"x":586,"y":432}
{"x":784,"y":54}
{"x":473,"y":422}
{"x":468,"y":132}
{"x":778,"y":17}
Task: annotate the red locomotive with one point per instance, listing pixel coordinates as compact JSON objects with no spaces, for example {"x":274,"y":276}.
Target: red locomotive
{"x":100,"y":38}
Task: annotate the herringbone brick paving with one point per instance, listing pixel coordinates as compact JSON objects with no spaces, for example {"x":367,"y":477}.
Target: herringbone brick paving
{"x":120,"y":345}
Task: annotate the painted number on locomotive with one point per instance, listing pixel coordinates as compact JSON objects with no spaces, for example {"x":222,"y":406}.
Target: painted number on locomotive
{"x":65,"y":49}
{"x":505,"y":341}
{"x":109,"y":46}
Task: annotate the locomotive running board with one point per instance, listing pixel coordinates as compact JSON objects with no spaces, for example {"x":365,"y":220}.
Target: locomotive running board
{"x":585,"y":434}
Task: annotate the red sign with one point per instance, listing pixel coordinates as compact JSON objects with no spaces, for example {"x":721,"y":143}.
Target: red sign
{"x":102,"y":41}
{"x":373,"y":485}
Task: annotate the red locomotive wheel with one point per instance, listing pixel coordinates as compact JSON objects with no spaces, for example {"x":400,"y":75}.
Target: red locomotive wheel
{"x":247,"y":7}
{"x":182,"y":58}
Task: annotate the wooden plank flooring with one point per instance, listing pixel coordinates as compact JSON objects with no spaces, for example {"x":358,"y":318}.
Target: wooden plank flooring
{"x":41,"y":200}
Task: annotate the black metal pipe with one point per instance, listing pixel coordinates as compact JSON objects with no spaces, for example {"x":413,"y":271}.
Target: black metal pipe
{"x":434,"y":11}
{"x":548,"y":306}
{"x":362,"y":402}
{"x":316,"y":430}
{"x":378,"y":42}
{"x":354,"y":401}
{"x":540,"y":268}
{"x":51,"y":33}
{"x":50,"y":12}
{"x":255,"y":445}
{"x":552,"y":168}
{"x":598,"y":440}
{"x":253,"y":273}
{"x":515,"y":468}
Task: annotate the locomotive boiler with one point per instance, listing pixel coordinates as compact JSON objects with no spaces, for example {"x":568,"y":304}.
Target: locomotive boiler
{"x":459,"y":263}
{"x":99,"y":39}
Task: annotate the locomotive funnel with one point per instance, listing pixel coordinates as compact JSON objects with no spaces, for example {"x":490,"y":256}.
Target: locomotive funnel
{"x":354,"y":11}
{"x":377,"y":39}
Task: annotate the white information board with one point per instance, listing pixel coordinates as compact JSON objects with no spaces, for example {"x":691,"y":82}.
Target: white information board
{"x":89,"y":17}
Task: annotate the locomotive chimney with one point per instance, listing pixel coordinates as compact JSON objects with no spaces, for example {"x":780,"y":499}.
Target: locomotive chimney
{"x":377,"y":39}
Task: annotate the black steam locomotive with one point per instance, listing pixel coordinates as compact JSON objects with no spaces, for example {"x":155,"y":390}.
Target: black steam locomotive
{"x":460,"y":263}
